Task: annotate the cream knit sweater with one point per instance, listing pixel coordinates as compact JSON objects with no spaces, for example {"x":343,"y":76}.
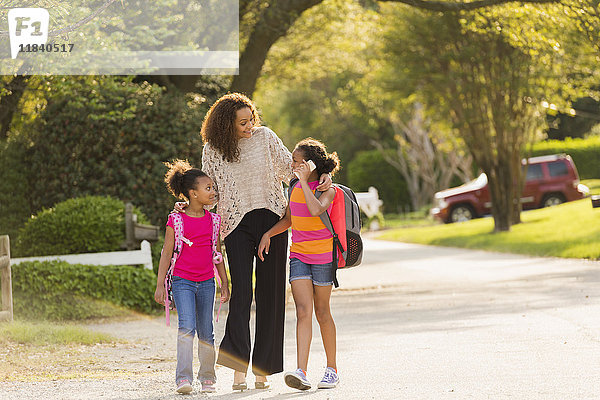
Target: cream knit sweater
{"x":252,"y":182}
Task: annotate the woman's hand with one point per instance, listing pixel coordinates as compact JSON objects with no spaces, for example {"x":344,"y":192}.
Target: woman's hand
{"x":180,"y":206}
{"x":324,"y":183}
{"x":159,"y":295}
{"x":264,"y":244}
{"x":225,"y":294}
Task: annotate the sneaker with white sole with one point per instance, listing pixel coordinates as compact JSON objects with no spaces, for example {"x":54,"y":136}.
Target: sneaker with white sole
{"x":330,"y":379}
{"x":208,"y":387}
{"x":184,"y":387}
{"x":297,"y":380}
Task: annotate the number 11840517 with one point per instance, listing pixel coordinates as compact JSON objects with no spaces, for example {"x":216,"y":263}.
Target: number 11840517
{"x":47,"y":48}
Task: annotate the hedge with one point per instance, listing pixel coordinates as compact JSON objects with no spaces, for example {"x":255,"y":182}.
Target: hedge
{"x":88,"y":224}
{"x":585,"y":153}
{"x":54,"y":290}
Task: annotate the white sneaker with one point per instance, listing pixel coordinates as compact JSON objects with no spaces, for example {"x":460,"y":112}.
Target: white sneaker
{"x":184,"y":387}
{"x":330,"y":379}
{"x":297,"y":380}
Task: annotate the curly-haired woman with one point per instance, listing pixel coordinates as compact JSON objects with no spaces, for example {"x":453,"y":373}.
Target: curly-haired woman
{"x":248,"y":164}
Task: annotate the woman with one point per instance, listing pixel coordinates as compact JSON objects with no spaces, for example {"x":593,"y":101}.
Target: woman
{"x":248,"y":164}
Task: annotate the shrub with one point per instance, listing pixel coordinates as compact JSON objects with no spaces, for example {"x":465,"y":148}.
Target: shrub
{"x":585,"y":153}
{"x":56,"y":290}
{"x":368,"y":168}
{"x":84,"y":225}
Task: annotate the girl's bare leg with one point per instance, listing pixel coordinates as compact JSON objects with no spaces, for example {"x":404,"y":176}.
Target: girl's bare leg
{"x":302,"y":290}
{"x":322,"y":295}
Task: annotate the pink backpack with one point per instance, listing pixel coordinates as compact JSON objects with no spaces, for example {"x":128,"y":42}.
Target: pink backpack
{"x":180,"y":239}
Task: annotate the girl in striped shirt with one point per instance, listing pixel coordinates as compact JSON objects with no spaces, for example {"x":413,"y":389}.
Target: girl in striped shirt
{"x":311,"y":259}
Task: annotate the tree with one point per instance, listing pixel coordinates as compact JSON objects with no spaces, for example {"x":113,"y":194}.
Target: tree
{"x":427,"y":157}
{"x":489,"y":72}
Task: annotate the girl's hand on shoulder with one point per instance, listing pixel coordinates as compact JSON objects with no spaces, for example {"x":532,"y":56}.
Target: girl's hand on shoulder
{"x":180,"y":206}
{"x":324,"y":183}
{"x":225,"y":294}
{"x":264,"y":245}
{"x":159,"y":295}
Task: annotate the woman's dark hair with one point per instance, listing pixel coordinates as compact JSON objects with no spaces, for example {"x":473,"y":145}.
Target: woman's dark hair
{"x":314,"y":150}
{"x":218,"y":127}
{"x":181,"y":178}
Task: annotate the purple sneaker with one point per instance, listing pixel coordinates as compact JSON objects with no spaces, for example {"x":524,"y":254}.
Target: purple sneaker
{"x":330,"y":379}
{"x":297,"y":380}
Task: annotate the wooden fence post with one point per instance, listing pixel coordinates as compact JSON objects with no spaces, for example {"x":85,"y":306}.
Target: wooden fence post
{"x":6,"y":314}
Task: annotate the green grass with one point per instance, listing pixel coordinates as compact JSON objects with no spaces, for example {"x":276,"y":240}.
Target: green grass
{"x":593,"y":184}
{"x":414,"y":219}
{"x":570,"y":230}
{"x":43,"y":334}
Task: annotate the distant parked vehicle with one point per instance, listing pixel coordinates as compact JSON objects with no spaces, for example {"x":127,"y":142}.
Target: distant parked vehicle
{"x":550,"y":180}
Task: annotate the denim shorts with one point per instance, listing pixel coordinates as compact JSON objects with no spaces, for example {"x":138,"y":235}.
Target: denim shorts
{"x":320,"y":274}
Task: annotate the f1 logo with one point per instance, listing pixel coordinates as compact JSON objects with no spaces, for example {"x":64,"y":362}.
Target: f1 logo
{"x":27,"y":26}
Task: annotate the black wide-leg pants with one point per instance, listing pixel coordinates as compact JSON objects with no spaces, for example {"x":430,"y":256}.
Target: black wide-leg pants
{"x":241,"y":246}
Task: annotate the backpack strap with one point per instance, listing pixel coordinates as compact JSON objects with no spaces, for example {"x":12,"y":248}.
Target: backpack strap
{"x":217,"y":257}
{"x":291,"y":187}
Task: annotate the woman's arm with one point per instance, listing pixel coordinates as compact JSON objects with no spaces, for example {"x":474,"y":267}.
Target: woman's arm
{"x":163,"y":265}
{"x":281,"y":226}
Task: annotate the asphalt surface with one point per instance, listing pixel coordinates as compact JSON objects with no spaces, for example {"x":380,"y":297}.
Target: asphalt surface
{"x":419,"y":322}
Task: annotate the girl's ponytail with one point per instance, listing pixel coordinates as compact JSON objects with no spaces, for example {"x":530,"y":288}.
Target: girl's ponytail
{"x":331,"y":163}
{"x":181,"y":178}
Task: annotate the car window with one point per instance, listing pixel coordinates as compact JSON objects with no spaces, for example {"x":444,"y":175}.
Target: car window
{"x":534,"y":171}
{"x":558,"y":168}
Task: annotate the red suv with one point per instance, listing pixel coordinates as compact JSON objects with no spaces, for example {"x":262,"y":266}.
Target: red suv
{"x":550,"y":180}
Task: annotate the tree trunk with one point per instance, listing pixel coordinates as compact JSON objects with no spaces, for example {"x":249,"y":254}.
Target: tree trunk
{"x":274,"y":23}
{"x":501,"y":203}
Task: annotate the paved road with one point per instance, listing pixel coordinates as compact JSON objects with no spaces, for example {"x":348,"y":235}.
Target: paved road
{"x":418,"y":322}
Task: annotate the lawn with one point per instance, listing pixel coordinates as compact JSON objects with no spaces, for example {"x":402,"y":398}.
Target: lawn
{"x":30,"y":351}
{"x":570,"y":230}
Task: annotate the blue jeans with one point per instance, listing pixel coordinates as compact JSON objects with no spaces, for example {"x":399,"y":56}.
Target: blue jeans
{"x":195,"y":306}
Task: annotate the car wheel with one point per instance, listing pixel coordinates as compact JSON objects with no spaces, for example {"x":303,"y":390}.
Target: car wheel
{"x":552,"y":200}
{"x":461,"y":213}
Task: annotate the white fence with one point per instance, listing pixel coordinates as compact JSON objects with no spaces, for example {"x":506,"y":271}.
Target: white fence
{"x":133,"y":257}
